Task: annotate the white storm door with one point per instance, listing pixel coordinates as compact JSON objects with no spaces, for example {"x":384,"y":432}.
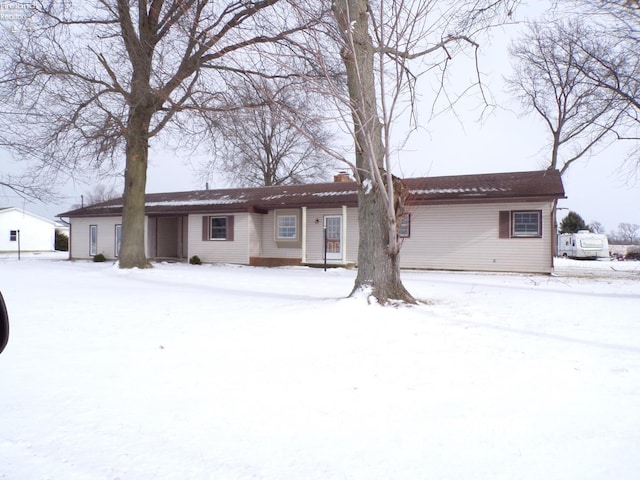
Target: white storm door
{"x":333,"y":237}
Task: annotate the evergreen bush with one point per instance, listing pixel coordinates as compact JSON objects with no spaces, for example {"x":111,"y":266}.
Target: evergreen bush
{"x":99,"y":258}
{"x":195,"y":260}
{"x":61,"y":242}
{"x":572,"y":223}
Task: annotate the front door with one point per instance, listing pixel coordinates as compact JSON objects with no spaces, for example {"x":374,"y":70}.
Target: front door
{"x":333,"y":237}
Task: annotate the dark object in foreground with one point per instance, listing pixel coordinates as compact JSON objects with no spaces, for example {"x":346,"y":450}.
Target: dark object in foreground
{"x":4,"y":324}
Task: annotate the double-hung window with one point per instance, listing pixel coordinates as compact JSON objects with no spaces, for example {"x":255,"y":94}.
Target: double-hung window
{"x":13,"y":235}
{"x":218,"y":228}
{"x":526,"y":224}
{"x":287,"y":227}
{"x":521,"y":224}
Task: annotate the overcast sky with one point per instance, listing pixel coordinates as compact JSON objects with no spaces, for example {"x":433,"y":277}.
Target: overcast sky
{"x":597,"y":188}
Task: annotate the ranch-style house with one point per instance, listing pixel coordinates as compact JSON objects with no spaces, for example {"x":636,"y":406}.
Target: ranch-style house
{"x":490,"y":222}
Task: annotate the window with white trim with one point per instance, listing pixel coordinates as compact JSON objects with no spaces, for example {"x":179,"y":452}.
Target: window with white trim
{"x":526,"y":224}
{"x":93,"y":240}
{"x":13,"y":235}
{"x":287,"y":227}
{"x":118,"y":239}
{"x":219,"y":228}
{"x":520,"y":224}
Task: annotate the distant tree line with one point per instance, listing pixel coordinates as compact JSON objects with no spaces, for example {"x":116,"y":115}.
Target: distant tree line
{"x":626,"y":233}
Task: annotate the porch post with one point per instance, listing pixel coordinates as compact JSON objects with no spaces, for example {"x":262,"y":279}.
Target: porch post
{"x":304,"y":234}
{"x":344,"y":234}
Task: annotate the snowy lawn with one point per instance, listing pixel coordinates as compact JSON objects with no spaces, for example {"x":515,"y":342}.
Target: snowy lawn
{"x":226,"y":372}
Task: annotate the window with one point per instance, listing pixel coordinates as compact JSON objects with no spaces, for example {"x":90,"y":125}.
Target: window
{"x":287,"y":227}
{"x":13,"y":235}
{"x":217,"y":228}
{"x":118,"y":238}
{"x":93,"y":240}
{"x":404,"y":229}
{"x":520,"y":224}
{"x":526,"y":224}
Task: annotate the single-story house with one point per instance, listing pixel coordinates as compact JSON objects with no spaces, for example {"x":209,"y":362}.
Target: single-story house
{"x":489,"y":222}
{"x":24,"y":231}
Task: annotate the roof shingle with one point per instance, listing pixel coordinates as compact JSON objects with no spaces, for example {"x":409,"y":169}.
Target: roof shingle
{"x":520,"y":186}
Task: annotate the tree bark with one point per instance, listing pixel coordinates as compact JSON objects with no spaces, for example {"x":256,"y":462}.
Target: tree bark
{"x":378,"y":268}
{"x":132,"y":250}
{"x":142,"y":108}
{"x":378,"y":252}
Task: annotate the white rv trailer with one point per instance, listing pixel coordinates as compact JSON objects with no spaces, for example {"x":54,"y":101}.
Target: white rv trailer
{"x":583,"y":244}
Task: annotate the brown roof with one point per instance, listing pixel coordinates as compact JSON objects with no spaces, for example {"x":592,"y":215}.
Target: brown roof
{"x":517,"y":186}
{"x":521,"y":186}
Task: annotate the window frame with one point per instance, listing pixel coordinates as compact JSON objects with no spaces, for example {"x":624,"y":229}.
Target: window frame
{"x":526,"y":234}
{"x":117,"y":236}
{"x":294,"y":241}
{"x":404,"y":227}
{"x":207,"y":228}
{"x":279,"y":227}
{"x":93,"y":240}
{"x":214,"y":238}
{"x":13,"y":235}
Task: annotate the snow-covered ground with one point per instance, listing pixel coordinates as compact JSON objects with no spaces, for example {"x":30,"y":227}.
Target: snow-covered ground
{"x":226,"y":372}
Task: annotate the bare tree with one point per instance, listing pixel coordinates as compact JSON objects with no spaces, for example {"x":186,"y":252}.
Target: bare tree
{"x":95,"y":81}
{"x":627,"y":233}
{"x":386,"y":46}
{"x":278,"y":138}
{"x":100,"y":193}
{"x":616,"y":68}
{"x":596,"y":227}
{"x":550,"y":79}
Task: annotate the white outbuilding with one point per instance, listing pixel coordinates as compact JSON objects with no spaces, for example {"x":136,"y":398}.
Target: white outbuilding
{"x":26,"y":232}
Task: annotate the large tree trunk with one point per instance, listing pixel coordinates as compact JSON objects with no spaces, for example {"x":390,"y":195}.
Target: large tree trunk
{"x":378,"y":253}
{"x":132,"y":250}
{"x":378,"y":267}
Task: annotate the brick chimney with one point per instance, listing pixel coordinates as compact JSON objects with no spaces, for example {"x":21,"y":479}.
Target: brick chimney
{"x":341,"y":177}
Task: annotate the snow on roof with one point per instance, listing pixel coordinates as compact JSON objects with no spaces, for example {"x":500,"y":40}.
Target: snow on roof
{"x":424,"y":190}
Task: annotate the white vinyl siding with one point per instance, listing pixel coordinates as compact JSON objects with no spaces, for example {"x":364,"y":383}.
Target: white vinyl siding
{"x":80,"y":241}
{"x":255,"y":234}
{"x":466,"y":237}
{"x":447,"y":237}
{"x":271,"y":246}
{"x":220,"y":251}
{"x":32,"y":232}
{"x":315,"y":234}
